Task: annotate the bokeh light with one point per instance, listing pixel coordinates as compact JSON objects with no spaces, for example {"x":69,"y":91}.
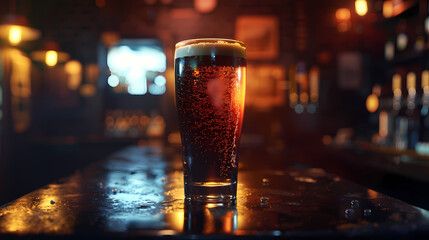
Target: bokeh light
{"x":361,"y":7}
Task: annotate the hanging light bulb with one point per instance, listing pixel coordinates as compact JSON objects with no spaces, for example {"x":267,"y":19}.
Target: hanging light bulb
{"x":50,"y":54}
{"x":15,"y":35}
{"x":51,"y":58}
{"x":14,"y":29}
{"x":361,"y":7}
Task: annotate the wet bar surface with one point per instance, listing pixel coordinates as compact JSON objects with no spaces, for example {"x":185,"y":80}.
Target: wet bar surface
{"x":138,"y":192}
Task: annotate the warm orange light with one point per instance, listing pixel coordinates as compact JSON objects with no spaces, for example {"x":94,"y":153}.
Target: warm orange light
{"x":15,"y":35}
{"x":303,"y":97}
{"x":314,"y":83}
{"x":205,"y":6}
{"x":74,"y":70}
{"x":110,"y":38}
{"x":293,"y":97}
{"x":50,"y":54}
{"x":411,"y":82}
{"x":343,"y":26}
{"x":100,"y":3}
{"x":376,"y":90}
{"x":425,"y":81}
{"x":73,"y":67}
{"x":51,"y":58}
{"x":87,"y":90}
{"x":372,"y":103}
{"x":361,"y":7}
{"x":387,"y":9}
{"x":327,"y":140}
{"x":14,"y":30}
{"x":91,"y":72}
{"x":396,"y":84}
{"x":383,"y":128}
{"x":342,"y":14}
{"x":243,"y":90}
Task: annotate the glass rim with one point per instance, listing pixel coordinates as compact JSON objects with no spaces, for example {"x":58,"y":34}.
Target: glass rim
{"x":187,"y":42}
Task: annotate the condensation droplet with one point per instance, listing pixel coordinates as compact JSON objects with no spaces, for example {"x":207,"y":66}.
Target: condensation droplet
{"x":264,"y":199}
{"x":349,"y":213}
{"x":354,"y":203}
{"x":367,"y":212}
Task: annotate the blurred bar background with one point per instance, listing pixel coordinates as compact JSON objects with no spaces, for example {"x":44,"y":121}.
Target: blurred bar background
{"x":337,"y":84}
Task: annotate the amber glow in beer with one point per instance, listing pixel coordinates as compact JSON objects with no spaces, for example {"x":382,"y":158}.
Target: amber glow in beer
{"x":210,"y":78}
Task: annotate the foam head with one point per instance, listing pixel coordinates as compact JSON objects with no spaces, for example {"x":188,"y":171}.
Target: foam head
{"x":210,"y":46}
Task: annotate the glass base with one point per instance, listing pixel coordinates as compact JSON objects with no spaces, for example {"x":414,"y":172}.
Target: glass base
{"x":211,"y":192}
{"x":202,"y":199}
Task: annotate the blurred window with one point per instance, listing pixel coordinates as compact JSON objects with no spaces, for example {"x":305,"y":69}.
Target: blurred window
{"x":137,"y":65}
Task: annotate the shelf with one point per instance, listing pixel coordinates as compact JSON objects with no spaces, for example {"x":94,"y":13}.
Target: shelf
{"x":406,"y":163}
{"x":407,"y":57}
{"x":391,"y":150}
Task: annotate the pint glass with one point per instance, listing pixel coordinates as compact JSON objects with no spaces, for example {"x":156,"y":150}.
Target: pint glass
{"x":210,"y":79}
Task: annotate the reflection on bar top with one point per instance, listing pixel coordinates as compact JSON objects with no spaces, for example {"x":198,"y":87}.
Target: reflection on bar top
{"x":208,"y":46}
{"x":138,"y":192}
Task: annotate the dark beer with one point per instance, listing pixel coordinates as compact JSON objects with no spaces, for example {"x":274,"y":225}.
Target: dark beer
{"x":210,"y":89}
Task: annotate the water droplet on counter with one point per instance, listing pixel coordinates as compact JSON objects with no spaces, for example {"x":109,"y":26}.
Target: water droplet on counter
{"x":143,"y":207}
{"x":265,"y":181}
{"x":349,"y":213}
{"x":264,"y":199}
{"x":367,"y":212}
{"x":354,"y":203}
{"x":52,"y":202}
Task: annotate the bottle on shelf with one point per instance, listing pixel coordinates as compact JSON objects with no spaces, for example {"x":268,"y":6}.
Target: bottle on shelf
{"x":396,"y":106}
{"x":412,"y":112}
{"x":422,"y":146}
{"x":407,"y":122}
{"x":408,"y":119}
{"x":424,"y":111}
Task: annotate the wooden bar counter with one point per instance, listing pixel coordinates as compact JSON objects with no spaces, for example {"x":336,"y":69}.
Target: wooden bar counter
{"x":138,"y":193}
